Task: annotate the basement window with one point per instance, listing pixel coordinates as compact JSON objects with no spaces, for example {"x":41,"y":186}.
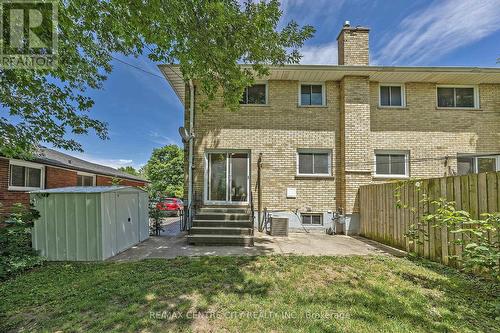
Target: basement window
{"x":313,"y":162}
{"x":391,"y":164}
{"x":255,"y":94}
{"x":391,"y":95}
{"x":24,"y":176}
{"x":312,"y":94}
{"x":312,"y":219}
{"x":457,"y":97}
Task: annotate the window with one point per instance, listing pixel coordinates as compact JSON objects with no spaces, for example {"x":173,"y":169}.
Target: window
{"x":467,"y":164}
{"x":391,"y":164}
{"x":312,"y":219}
{"x":256,"y":94}
{"x":85,"y":180}
{"x":312,"y":94}
{"x":457,"y":97}
{"x":310,"y":162}
{"x":25,"y":176}
{"x":392,"y":95}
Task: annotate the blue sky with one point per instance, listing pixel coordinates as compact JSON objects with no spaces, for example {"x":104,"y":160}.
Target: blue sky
{"x":143,"y":112}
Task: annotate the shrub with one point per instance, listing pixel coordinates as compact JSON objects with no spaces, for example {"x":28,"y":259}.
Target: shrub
{"x":16,"y":253}
{"x":479,"y":237}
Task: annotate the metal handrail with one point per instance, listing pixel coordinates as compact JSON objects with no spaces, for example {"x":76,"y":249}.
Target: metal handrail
{"x":252,"y":209}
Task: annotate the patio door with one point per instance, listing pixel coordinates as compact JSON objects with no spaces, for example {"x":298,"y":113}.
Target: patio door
{"x":227,"y":177}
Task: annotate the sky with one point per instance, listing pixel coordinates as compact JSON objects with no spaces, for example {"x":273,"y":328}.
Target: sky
{"x":143,"y":112}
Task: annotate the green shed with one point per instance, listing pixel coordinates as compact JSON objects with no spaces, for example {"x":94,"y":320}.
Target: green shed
{"x":89,"y":223}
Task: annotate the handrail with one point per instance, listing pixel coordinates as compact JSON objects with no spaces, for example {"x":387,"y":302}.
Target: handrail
{"x":252,"y":209}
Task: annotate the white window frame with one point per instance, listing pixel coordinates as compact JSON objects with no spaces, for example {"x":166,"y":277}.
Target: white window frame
{"x":406,"y":153}
{"x":497,"y":158}
{"x":476,"y":157}
{"x":266,"y":83}
{"x":28,"y":165}
{"x":80,"y":173}
{"x":323,"y":94}
{"x":476,"y":96}
{"x":314,"y":151}
{"x":403,"y":95}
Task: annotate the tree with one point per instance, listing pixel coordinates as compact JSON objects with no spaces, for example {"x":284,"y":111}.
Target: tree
{"x":208,"y":39}
{"x":165,"y":171}
{"x":130,"y":170}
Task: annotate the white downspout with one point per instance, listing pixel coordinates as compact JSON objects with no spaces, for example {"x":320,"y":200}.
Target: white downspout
{"x":191,"y":143}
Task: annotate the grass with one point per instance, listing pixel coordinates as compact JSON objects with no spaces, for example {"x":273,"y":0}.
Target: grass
{"x":249,"y":294}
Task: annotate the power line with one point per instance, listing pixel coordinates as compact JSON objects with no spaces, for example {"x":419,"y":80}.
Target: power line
{"x":137,"y":67}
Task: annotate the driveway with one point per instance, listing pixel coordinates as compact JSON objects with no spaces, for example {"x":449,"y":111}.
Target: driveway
{"x":309,"y":244}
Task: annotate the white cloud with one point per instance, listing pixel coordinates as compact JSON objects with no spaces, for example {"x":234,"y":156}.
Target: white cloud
{"x":162,"y":140}
{"x":325,"y":54}
{"x":439,"y":29}
{"x":114,"y":163}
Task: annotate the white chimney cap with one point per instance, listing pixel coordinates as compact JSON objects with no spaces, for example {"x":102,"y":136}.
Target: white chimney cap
{"x":347,"y":23}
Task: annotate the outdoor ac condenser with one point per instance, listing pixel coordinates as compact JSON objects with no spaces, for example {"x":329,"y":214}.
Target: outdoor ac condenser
{"x":279,"y":226}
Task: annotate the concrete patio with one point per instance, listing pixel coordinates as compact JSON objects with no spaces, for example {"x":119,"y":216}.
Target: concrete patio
{"x":308,"y":244}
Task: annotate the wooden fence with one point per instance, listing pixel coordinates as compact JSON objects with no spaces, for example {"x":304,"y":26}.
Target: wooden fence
{"x":383,"y":220}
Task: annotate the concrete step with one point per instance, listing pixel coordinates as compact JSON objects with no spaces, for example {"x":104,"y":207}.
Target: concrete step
{"x":223,"y":216}
{"x":221,"y":231}
{"x":222,"y":223}
{"x":224,"y":210}
{"x":220,"y":240}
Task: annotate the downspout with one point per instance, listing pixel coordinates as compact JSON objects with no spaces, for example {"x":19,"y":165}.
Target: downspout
{"x":190,"y":158}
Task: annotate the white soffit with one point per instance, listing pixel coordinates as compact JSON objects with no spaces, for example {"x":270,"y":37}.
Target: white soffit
{"x":319,"y":73}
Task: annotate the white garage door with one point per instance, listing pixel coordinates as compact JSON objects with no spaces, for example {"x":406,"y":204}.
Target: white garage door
{"x":127,"y":220}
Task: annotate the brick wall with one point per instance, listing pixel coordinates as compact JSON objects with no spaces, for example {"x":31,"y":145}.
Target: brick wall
{"x":56,"y":177}
{"x":107,"y":181}
{"x":8,"y":198}
{"x":353,"y":46}
{"x":277,"y":130}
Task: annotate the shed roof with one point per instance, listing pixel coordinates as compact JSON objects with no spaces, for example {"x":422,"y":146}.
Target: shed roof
{"x":86,"y":189}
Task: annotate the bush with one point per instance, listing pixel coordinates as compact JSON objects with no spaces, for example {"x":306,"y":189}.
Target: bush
{"x":479,"y":237}
{"x":16,"y":253}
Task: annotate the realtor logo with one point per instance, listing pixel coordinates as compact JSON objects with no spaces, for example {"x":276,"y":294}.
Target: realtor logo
{"x":28,"y":33}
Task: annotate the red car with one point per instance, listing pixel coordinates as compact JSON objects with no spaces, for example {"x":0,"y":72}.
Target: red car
{"x":172,"y":205}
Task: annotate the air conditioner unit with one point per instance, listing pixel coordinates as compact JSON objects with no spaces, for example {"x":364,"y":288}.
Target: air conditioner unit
{"x":279,"y":226}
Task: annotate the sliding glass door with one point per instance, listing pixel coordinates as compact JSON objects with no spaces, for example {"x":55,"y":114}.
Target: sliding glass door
{"x":228,"y":177}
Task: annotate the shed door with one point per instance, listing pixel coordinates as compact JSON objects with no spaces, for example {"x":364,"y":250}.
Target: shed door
{"x":127,"y":220}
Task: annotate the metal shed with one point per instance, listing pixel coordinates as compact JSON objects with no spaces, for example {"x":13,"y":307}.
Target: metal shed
{"x":89,"y":223}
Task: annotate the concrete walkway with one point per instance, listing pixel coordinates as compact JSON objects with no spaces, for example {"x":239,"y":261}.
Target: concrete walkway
{"x":308,"y":244}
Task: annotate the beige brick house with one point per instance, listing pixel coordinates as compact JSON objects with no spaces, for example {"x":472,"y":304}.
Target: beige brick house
{"x":323,"y":131}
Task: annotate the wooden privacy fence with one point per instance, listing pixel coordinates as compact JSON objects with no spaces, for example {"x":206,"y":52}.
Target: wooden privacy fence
{"x":383,"y":220}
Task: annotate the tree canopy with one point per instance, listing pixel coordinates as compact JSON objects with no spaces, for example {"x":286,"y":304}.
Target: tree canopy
{"x":165,"y":171}
{"x":208,"y":39}
{"x":130,"y":170}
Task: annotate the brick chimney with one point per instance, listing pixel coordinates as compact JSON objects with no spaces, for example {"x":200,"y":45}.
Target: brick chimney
{"x":353,"y":45}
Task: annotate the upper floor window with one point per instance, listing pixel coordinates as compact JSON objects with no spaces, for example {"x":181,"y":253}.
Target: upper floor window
{"x":457,"y":97}
{"x":467,"y":164}
{"x":391,"y":95}
{"x":312,"y":94}
{"x":392,"y":164}
{"x":25,"y":176}
{"x":255,"y":94}
{"x":314,"y":162}
{"x":83,"y":179}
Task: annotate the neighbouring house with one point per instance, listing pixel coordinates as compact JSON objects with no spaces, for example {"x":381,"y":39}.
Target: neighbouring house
{"x":323,"y":131}
{"x":52,"y":169}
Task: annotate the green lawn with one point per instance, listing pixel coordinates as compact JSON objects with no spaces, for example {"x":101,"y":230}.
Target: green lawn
{"x":249,"y":294}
